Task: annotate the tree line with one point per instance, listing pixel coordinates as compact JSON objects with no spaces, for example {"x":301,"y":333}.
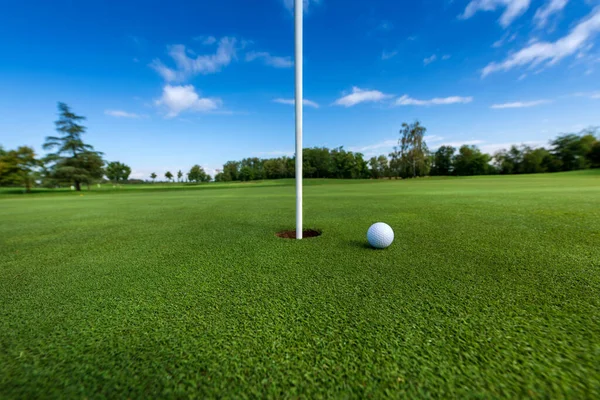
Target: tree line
{"x":71,"y":161}
{"x":412,"y":158}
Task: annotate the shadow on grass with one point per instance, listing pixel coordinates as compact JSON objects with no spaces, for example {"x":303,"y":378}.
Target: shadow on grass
{"x":360,"y":244}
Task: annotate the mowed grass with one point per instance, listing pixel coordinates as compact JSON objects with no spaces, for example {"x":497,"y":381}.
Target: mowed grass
{"x":490,"y":290}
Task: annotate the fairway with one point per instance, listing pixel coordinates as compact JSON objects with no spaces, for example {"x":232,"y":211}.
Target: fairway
{"x":490,"y":289}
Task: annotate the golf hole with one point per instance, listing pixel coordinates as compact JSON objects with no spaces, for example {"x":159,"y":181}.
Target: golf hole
{"x":307,"y":233}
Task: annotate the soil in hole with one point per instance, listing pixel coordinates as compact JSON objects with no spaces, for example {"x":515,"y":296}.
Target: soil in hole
{"x":307,"y":233}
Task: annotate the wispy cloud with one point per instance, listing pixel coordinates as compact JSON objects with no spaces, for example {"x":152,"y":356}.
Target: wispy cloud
{"x":178,"y":99}
{"x":359,"y":95}
{"x":268,"y":59}
{"x":187,"y":66}
{"x":386,"y":55}
{"x":121,"y":114}
{"x":446,"y":57}
{"x":519,"y":104}
{"x":206,"y":40}
{"x":429,"y":60}
{"x":540,"y":52}
{"x":506,"y":38}
{"x":292,"y":102}
{"x":512,"y":9}
{"x":387,"y":145}
{"x":459,"y":143}
{"x":385,"y":26}
{"x":547,"y":10}
{"x":409,"y":101}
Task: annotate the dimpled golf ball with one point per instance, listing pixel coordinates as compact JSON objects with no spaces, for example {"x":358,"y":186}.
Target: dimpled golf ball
{"x":380,"y":235}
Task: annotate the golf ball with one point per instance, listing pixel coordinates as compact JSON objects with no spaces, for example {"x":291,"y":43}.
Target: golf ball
{"x":380,"y":235}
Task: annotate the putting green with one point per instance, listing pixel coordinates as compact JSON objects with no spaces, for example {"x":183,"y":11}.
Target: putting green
{"x":491,"y":289}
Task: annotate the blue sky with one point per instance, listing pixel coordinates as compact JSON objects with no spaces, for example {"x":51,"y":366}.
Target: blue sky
{"x":166,"y":85}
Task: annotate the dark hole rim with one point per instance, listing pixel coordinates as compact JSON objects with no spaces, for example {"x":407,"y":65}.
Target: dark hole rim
{"x":306,"y":234}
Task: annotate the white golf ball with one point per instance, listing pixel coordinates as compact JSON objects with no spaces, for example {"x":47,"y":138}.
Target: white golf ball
{"x":380,"y":235}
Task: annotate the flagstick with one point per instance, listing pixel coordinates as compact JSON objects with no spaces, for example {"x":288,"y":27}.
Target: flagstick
{"x":298,"y":63}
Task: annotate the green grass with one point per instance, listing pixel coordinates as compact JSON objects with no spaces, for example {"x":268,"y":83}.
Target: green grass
{"x":491,"y":289}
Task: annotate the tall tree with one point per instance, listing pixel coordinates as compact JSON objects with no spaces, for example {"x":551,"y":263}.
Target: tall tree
{"x":442,"y":161}
{"x":153,"y":176}
{"x":73,"y":160}
{"x":169,"y":175}
{"x":414,"y":154}
{"x":17,"y":167}
{"x":117,"y":171}
{"x":197,"y":174}
{"x":179,"y":175}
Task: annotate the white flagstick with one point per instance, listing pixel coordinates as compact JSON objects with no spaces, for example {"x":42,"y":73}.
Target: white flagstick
{"x":298,"y":62}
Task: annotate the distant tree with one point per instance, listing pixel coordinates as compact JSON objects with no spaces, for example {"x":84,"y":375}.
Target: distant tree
{"x":245,"y":174}
{"x":73,"y":160}
{"x":442,"y":161}
{"x":117,"y":171}
{"x":534,"y":160}
{"x":231,"y":170}
{"x":414,"y":154}
{"x":471,"y":161}
{"x":153,"y":176}
{"x":17,"y":167}
{"x":179,"y":175}
{"x":572,"y":149}
{"x":594,"y":155}
{"x":395,"y":164}
{"x":169,"y":175}
{"x":197,"y":174}
{"x":316,"y":162}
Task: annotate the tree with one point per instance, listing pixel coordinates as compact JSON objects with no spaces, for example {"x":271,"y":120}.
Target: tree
{"x":395,"y":164}
{"x":471,"y":161}
{"x":534,"y":160}
{"x":572,"y":149}
{"x":442,"y":161}
{"x":197,"y":174}
{"x":594,"y":155}
{"x":73,"y":161}
{"x":17,"y":167}
{"x":117,"y":171}
{"x":414,"y":154}
{"x":179,"y":175}
{"x":168,"y":175}
{"x":153,"y":176}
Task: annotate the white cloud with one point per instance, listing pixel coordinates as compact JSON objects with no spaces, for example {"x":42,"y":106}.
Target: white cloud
{"x":539,"y":52}
{"x":359,"y":95}
{"x":545,"y":12}
{"x":429,"y":60}
{"x":177,"y":99}
{"x":273,"y":61}
{"x":409,"y":101}
{"x":121,"y":114}
{"x":446,"y":57}
{"x":386,"y":144}
{"x":289,"y":4}
{"x":512,"y":9}
{"x":292,"y":102}
{"x":520,"y":104}
{"x":187,"y":66}
{"x":506,"y":38}
{"x":387,"y":55}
